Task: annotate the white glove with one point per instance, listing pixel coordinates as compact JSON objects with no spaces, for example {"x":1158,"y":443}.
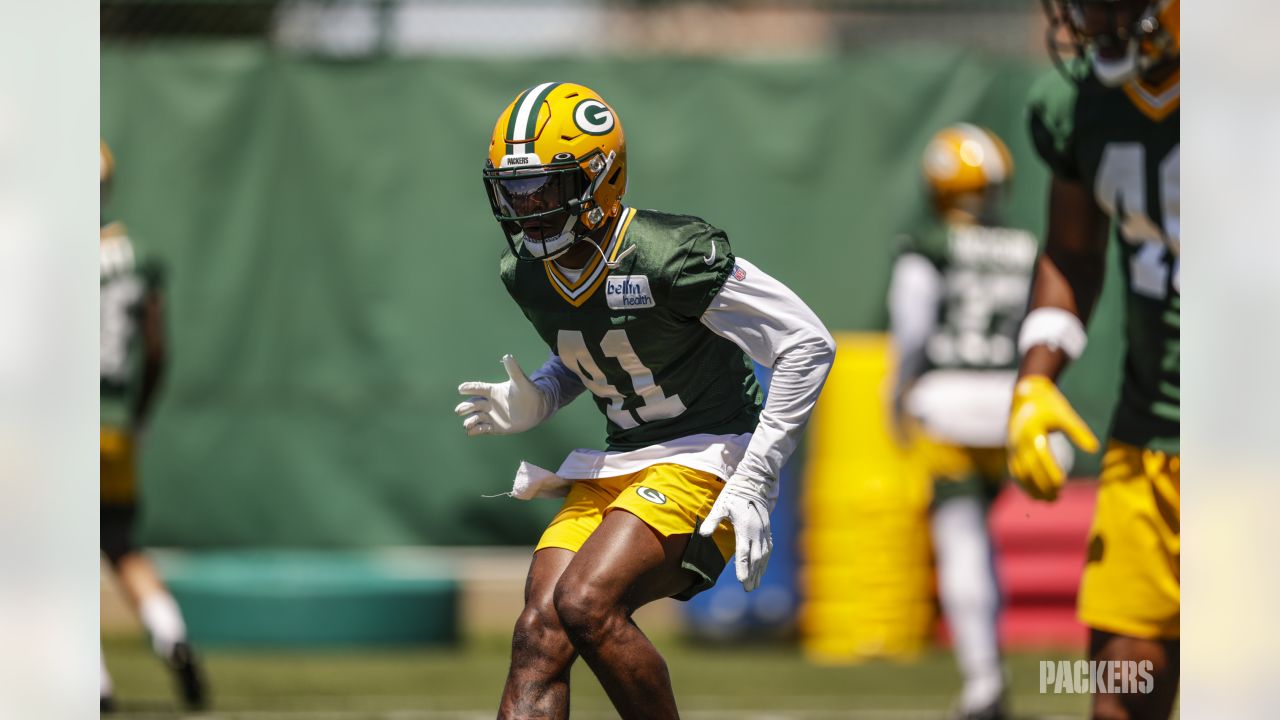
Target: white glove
{"x":745,"y":503}
{"x":503,"y":408}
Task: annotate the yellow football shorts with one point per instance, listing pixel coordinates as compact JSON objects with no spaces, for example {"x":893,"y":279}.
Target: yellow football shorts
{"x":958,"y":471}
{"x":117,"y":470}
{"x":671,"y":499}
{"x":1131,"y":582}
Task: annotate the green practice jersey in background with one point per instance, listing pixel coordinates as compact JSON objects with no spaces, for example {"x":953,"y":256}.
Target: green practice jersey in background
{"x":1123,"y":144}
{"x":634,"y":336}
{"x":986,"y":272}
{"x":124,"y":281}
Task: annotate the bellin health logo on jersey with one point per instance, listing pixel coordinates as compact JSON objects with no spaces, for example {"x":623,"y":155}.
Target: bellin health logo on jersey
{"x":628,"y":292}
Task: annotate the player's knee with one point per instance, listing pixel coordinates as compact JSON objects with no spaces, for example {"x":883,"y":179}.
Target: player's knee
{"x":538,"y":632}
{"x":116,"y":553}
{"x":584,"y":612}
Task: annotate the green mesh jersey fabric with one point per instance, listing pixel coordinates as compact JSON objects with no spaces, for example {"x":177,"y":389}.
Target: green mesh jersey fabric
{"x":125,"y":279}
{"x":633,"y":334}
{"x":986,"y":274}
{"x":1097,"y":135}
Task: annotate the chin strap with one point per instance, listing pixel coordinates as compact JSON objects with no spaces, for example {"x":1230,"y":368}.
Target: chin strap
{"x":611,"y":264}
{"x":1114,"y":73}
{"x":595,"y":214}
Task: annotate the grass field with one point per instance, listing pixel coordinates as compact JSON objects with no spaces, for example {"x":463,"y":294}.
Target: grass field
{"x":754,"y":682}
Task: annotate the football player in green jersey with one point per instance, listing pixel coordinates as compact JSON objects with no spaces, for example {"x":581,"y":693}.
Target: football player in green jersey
{"x":1107,"y":126}
{"x":957,"y":297}
{"x":657,"y":318}
{"x":132,"y":359}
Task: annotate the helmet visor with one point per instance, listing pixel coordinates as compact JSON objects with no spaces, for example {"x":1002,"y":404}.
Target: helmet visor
{"x":519,"y":196}
{"x":1107,"y":25}
{"x":532,"y":195}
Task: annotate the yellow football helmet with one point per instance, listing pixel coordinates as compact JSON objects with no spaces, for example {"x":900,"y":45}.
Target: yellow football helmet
{"x":964,"y":165}
{"x":557,"y":168}
{"x":1121,"y":39}
{"x":106,"y":172}
{"x":106,"y":163}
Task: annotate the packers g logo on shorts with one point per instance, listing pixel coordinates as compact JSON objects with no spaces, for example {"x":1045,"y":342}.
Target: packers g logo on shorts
{"x":593,"y":117}
{"x":651,"y":495}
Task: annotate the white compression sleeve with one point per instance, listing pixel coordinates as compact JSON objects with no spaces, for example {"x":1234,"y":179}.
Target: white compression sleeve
{"x":559,"y":383}
{"x":777,"y":330}
{"x":914,"y":293}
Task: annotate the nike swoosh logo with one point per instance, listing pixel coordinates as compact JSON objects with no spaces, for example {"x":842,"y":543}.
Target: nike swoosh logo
{"x":709,"y":259}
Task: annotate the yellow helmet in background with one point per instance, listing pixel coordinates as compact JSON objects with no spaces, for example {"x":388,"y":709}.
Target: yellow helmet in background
{"x":106,"y":163}
{"x":962,"y":163}
{"x":557,"y":168}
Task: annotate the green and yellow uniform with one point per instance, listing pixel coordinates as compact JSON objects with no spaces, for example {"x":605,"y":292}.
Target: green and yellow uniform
{"x":1125,"y":149}
{"x":966,"y":366}
{"x":125,"y":280}
{"x":985,"y":272}
{"x":634,"y":336}
{"x":1123,"y":144}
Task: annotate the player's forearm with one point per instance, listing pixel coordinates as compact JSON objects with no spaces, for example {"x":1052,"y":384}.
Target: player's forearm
{"x":558,"y":382}
{"x":1054,"y":330}
{"x":151,"y":376}
{"x":154,"y":358}
{"x":775,"y":328}
{"x":1068,"y":280}
{"x":797,"y":380}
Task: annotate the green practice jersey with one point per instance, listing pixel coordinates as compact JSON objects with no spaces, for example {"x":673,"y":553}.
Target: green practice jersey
{"x":986,"y":273}
{"x":1123,"y":144}
{"x":633,"y":334}
{"x":124,"y":281}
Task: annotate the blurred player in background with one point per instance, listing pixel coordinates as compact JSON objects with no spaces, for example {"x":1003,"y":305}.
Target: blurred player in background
{"x":1107,"y":126}
{"x":132,"y":358}
{"x":956,"y":298}
{"x":655,"y":316}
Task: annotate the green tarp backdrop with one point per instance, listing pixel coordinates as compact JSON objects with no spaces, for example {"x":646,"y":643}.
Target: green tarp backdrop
{"x":333,"y":262}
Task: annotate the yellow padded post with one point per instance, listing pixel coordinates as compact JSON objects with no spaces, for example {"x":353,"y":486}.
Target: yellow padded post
{"x":866,"y":577}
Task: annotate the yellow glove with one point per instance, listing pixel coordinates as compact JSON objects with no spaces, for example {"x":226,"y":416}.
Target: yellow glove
{"x":1039,"y":409}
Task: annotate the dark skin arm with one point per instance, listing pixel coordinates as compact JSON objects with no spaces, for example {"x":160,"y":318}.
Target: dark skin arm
{"x":154,"y":354}
{"x":1069,"y":274}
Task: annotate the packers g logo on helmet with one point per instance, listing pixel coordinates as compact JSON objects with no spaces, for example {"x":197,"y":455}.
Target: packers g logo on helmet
{"x":556,"y":170}
{"x":593,"y":117}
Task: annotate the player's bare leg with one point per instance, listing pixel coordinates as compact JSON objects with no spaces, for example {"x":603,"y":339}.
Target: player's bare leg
{"x":148,"y":594}
{"x":163,"y":620}
{"x":1165,"y":660}
{"x":139,"y":577}
{"x":623,"y":565}
{"x":541,"y":654}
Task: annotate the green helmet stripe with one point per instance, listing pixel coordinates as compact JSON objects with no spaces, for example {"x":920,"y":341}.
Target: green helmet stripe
{"x":511,"y":121}
{"x":524,"y":117}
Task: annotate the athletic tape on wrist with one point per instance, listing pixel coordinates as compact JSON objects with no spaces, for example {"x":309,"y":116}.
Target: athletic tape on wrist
{"x":1054,"y":327}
